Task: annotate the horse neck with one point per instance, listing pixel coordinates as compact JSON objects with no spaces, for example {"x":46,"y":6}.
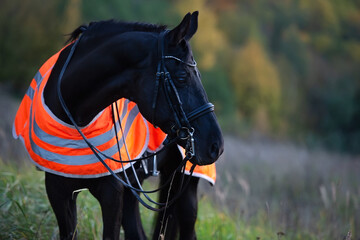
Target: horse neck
{"x":99,"y":75}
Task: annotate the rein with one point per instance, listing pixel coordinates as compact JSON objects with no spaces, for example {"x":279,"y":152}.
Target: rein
{"x":180,"y":130}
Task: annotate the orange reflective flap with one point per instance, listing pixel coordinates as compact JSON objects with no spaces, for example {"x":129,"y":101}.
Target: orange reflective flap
{"x":207,"y":172}
{"x":157,"y":137}
{"x":22,"y":117}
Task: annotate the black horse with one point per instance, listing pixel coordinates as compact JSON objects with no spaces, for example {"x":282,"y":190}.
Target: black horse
{"x":114,"y":60}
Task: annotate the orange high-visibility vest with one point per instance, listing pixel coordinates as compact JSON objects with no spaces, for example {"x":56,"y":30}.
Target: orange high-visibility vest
{"x":57,"y":147}
{"x":207,"y":172}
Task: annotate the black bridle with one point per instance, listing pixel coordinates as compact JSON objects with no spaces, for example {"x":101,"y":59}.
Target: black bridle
{"x":182,"y":127}
{"x":180,"y":130}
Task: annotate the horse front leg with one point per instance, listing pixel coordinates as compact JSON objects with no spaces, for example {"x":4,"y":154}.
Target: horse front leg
{"x":63,"y":202}
{"x":187,"y":208}
{"x":180,"y":217}
{"x":166,"y":221}
{"x":109,"y":192}
{"x":131,"y":222}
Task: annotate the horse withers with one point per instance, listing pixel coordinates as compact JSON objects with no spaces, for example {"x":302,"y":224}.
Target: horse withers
{"x":64,"y":119}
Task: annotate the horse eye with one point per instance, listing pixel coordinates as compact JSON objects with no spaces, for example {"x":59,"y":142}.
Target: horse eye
{"x":181,"y":76}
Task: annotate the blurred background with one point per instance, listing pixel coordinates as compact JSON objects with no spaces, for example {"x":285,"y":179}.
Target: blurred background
{"x":280,"y":68}
{"x":284,"y":76}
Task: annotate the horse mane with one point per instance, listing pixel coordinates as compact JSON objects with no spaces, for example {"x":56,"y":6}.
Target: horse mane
{"x":111,"y":27}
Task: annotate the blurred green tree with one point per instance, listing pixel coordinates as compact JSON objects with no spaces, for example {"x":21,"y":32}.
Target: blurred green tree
{"x":295,"y":50}
{"x":209,"y":40}
{"x":257,"y":86}
{"x":72,"y":15}
{"x":30,"y":31}
{"x":292,"y":64}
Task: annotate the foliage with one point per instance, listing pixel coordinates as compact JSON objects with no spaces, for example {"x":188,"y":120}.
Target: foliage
{"x":256,"y":84}
{"x":209,"y":38}
{"x":28,"y":37}
{"x":275,"y":62}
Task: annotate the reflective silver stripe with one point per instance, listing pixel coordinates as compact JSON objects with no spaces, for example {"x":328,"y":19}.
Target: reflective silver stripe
{"x":71,"y":143}
{"x":77,"y":144}
{"x":129,"y":121}
{"x":30,"y":92}
{"x":73,"y":159}
{"x":69,"y":160}
{"x":38,"y":78}
{"x":132,"y":115}
{"x":64,"y":159}
{"x":125,"y":107}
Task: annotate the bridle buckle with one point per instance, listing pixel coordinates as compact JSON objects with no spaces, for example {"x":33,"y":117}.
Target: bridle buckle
{"x":190,"y":146}
{"x":185,"y":133}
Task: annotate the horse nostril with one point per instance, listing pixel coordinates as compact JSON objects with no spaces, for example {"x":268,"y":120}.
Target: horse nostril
{"x":214,"y":151}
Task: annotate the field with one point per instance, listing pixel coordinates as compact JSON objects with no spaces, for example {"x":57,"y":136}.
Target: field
{"x":265,"y":190}
{"x":275,"y":190}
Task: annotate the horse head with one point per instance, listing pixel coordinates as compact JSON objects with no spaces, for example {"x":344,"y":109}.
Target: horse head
{"x":178,"y":103}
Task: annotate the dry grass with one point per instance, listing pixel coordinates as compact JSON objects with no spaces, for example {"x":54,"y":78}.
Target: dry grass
{"x":297,"y":193}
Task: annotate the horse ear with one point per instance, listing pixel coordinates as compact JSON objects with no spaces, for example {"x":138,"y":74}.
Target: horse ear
{"x":193,"y":26}
{"x":179,"y":33}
